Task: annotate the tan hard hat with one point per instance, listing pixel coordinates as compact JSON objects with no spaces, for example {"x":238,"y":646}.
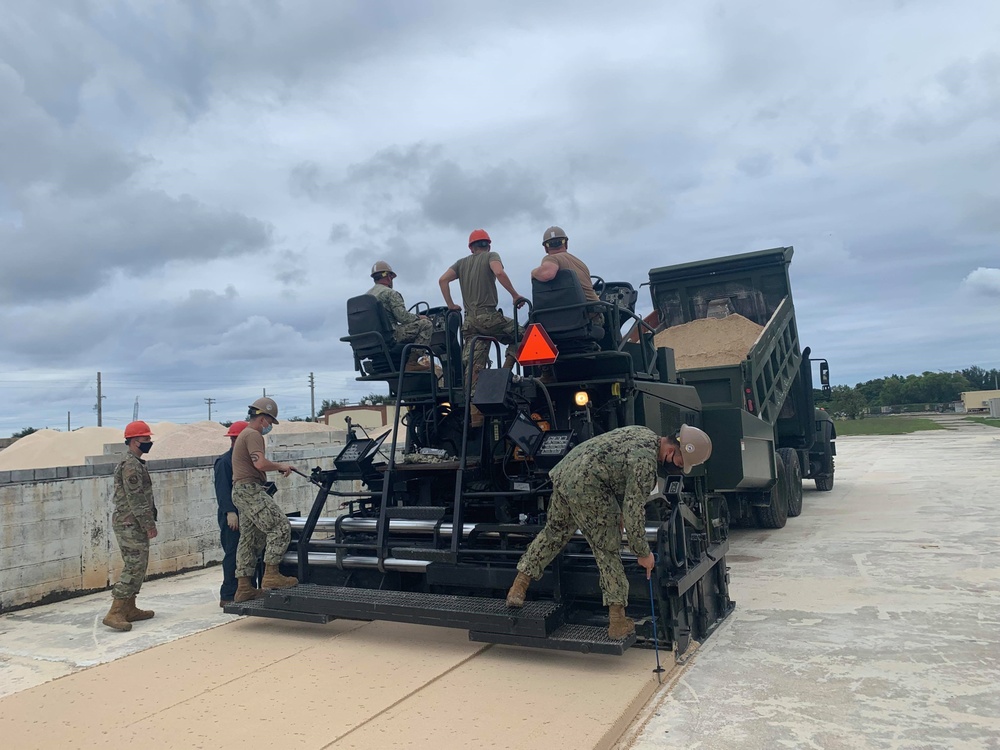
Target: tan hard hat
{"x":554,"y":233}
{"x":266,"y":406}
{"x":696,"y":446}
{"x":381,"y":269}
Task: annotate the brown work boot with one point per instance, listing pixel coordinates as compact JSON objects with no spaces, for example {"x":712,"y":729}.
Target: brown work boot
{"x":133,"y":613}
{"x":619,"y":625}
{"x":413,"y":364}
{"x":224,"y":602}
{"x":274,"y":580}
{"x":245,"y":590}
{"x":515,"y":597}
{"x":509,"y":361}
{"x":115,"y":618}
{"x":475,"y":417}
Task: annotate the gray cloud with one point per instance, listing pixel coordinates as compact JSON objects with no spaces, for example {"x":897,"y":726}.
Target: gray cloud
{"x":175,"y":154}
{"x":462,"y":198}
{"x":70,"y":247}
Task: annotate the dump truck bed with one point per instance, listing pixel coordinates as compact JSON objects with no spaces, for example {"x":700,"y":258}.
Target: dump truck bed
{"x":703,"y":298}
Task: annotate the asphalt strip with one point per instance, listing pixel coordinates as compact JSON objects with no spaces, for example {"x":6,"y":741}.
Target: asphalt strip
{"x":344,"y":685}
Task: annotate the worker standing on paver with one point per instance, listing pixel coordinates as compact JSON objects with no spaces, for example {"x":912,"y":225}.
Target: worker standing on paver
{"x":477,"y":275}
{"x":263,"y":527}
{"x":600,"y":486}
{"x":407,"y":328}
{"x":228,"y":515}
{"x":134,"y":524}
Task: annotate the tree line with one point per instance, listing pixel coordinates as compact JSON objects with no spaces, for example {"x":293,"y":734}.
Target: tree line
{"x":899,"y":390}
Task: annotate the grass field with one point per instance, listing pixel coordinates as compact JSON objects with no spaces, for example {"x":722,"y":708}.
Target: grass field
{"x":985,"y":420}
{"x":885,"y":426}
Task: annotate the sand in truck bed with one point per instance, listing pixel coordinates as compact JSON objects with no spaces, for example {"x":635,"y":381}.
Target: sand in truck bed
{"x":710,"y":342}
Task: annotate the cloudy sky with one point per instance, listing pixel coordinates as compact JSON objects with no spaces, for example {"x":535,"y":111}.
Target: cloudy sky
{"x":189,"y":191}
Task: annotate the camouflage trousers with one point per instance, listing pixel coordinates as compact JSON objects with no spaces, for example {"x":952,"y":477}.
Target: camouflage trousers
{"x":417,"y":331}
{"x":598,"y":517}
{"x":486,"y":323}
{"x":263,"y":528}
{"x":134,"y":545}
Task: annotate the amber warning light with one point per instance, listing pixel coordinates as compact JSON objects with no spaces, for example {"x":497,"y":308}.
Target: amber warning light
{"x":536,"y":347}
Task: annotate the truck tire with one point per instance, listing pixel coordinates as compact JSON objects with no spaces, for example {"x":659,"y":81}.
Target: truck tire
{"x":824,"y":481}
{"x":794,"y":471}
{"x":775,"y":515}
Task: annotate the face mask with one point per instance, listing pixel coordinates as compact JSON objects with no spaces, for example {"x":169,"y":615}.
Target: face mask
{"x":145,"y":447}
{"x":266,"y":430}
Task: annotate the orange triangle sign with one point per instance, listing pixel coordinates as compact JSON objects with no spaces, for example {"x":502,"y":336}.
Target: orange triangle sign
{"x":536,"y":347}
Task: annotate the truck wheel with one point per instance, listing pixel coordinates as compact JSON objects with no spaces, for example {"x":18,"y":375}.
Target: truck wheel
{"x":794,"y":471}
{"x":775,"y":515}
{"x":825,"y":483}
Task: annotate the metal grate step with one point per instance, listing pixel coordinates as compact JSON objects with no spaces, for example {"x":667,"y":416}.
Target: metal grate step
{"x":536,"y":618}
{"x":586,"y":639}
{"x":259,"y":608}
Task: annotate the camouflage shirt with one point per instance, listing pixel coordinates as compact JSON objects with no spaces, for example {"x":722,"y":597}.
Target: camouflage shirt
{"x":620,"y":464}
{"x":134,"y":494}
{"x":393,"y":303}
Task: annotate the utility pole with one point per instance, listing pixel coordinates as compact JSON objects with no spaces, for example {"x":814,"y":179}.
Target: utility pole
{"x":312,"y":398}
{"x":99,"y":397}
{"x":67,"y":423}
{"x":209,"y":401}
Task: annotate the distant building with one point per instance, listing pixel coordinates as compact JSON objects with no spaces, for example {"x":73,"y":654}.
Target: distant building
{"x":978,"y":401}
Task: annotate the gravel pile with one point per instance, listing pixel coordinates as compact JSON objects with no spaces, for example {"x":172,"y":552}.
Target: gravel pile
{"x":710,"y":342}
{"x":48,"y":448}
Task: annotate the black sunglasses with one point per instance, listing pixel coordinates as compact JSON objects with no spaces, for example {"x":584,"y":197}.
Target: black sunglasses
{"x":555,"y":243}
{"x":480,"y":243}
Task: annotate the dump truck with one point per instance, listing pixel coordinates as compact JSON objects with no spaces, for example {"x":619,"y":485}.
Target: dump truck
{"x":730,"y":323}
{"x":435,"y":512}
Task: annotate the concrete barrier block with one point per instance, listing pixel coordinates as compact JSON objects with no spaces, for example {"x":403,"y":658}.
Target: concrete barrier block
{"x":5,"y":477}
{"x":22,"y":475}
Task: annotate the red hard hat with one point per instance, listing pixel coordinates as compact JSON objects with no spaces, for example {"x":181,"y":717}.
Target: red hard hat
{"x":137,"y":429}
{"x":236,"y":428}
{"x":479,"y":234}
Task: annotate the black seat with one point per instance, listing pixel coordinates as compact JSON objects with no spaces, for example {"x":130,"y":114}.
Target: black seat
{"x":562,"y":310}
{"x":370,"y":335}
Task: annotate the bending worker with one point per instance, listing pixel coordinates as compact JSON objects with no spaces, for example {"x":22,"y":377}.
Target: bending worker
{"x":263,"y":527}
{"x":407,"y":328}
{"x":134,"y":523}
{"x":600,"y":485}
{"x":477,"y":276}
{"x":228,"y":516}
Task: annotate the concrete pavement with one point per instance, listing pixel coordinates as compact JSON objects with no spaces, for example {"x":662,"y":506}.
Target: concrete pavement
{"x":871,"y":621}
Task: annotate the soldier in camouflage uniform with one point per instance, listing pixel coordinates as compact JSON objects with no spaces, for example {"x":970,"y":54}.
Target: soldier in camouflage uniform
{"x":407,"y":328}
{"x":601,"y":486}
{"x":134,"y":523}
{"x":263,"y":527}
{"x":477,"y":275}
